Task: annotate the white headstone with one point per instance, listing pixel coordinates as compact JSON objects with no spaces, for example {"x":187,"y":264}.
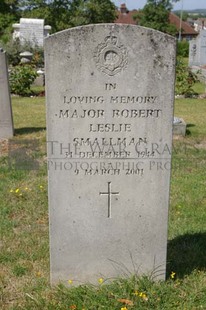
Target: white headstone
{"x":6,"y":119}
{"x":110,"y":92}
{"x":197,"y":50}
{"x":31,"y":30}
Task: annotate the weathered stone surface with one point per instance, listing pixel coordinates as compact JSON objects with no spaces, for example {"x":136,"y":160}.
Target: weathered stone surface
{"x":6,"y":120}
{"x":110,"y":92}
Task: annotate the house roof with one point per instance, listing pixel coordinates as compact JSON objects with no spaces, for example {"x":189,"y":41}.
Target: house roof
{"x":186,"y":28}
{"x":126,"y":17}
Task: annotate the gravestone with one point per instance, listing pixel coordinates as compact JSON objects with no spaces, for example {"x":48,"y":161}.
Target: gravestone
{"x":202,"y":47}
{"x":179,"y":127}
{"x":31,"y":30}
{"x":6,"y":119}
{"x":197,"y":50}
{"x":193,"y":55}
{"x":110,"y":92}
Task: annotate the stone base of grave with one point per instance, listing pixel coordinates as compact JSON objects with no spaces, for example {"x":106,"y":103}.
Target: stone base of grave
{"x":179,"y":129}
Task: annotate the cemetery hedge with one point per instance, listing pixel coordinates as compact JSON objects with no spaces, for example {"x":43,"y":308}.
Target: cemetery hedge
{"x":24,"y":256}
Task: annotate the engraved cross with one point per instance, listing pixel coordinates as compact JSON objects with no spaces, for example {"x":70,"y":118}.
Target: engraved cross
{"x":109,"y":193}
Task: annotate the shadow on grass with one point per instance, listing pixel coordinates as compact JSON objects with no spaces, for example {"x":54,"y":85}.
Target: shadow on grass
{"x":188,"y":132}
{"x":28,"y":130}
{"x":191,"y":125}
{"x":186,"y":253}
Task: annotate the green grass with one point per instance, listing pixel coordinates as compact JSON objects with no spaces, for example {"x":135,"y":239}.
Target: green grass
{"x":24,"y":255}
{"x":193,"y":112}
{"x":29,"y":115}
{"x":199,"y":88}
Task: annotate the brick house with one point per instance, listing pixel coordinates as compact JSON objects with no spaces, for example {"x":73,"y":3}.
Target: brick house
{"x":126,"y":17}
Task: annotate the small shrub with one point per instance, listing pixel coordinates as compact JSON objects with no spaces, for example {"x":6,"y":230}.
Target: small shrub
{"x":183,"y":48}
{"x":185,"y":79}
{"x":38,"y":57}
{"x":21,"y":78}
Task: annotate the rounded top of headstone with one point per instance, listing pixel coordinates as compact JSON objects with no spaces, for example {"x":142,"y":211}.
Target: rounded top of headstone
{"x":111,"y":27}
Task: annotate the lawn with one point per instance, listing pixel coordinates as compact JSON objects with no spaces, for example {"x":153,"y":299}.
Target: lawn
{"x":24,"y":256}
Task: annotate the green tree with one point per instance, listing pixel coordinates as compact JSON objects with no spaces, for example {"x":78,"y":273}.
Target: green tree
{"x":8,"y":14}
{"x":155,"y":15}
{"x":62,"y":14}
{"x":92,"y":12}
{"x":55,"y":12}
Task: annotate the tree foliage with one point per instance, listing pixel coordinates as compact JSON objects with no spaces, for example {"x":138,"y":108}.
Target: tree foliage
{"x":62,"y":14}
{"x":155,"y":15}
{"x":8,"y":14}
{"x":91,"y":12}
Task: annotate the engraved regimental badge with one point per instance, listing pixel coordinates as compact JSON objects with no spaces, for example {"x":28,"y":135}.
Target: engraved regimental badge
{"x":110,"y":56}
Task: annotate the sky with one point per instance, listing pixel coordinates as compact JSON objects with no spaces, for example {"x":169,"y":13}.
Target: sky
{"x":187,"y":4}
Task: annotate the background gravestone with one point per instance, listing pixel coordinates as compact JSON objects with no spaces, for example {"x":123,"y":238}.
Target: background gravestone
{"x":6,"y":119}
{"x":193,"y":53}
{"x":203,"y":47}
{"x":197,"y":50}
{"x":179,"y":127}
{"x":110,"y":92}
{"x":31,"y":30}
